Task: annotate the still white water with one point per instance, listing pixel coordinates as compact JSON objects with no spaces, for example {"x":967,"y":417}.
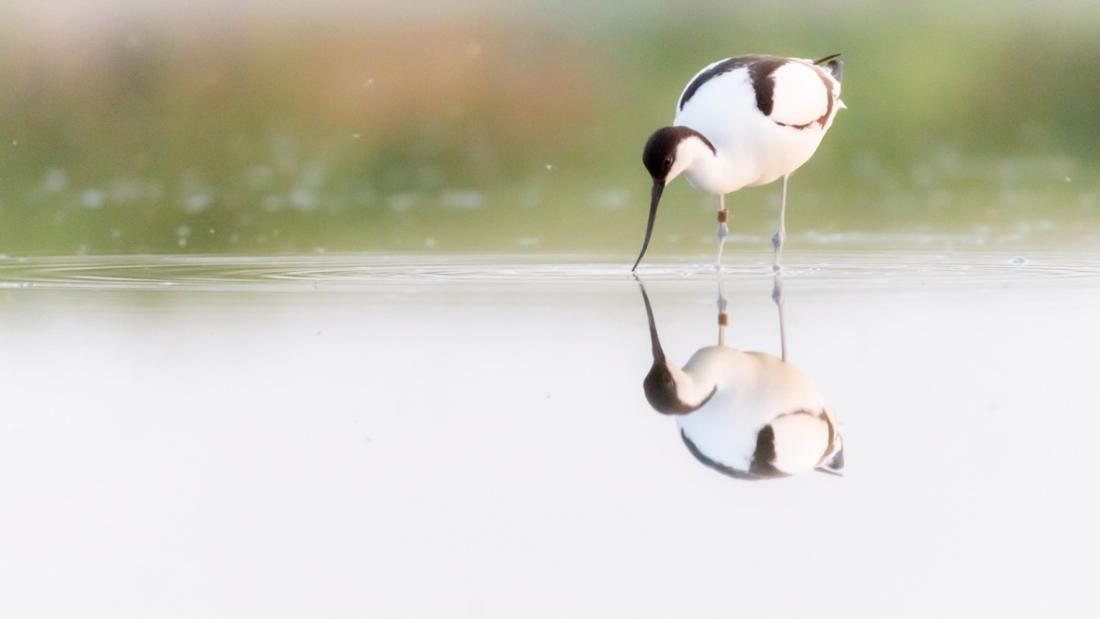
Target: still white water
{"x":356,"y":436}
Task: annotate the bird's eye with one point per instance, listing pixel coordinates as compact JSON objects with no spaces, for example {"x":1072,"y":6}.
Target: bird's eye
{"x":668,"y":162}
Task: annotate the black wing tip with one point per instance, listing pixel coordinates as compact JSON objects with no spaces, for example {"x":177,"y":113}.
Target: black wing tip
{"x":833,"y":64}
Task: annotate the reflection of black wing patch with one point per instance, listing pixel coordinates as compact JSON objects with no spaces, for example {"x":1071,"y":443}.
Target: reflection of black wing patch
{"x":758,"y":469}
{"x":760,"y":70}
{"x":835,"y":465}
{"x":763,"y":459}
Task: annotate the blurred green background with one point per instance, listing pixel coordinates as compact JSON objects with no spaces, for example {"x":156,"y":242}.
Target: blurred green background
{"x":257,"y":128}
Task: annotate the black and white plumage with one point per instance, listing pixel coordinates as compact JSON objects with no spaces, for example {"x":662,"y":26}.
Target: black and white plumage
{"x":749,"y":415}
{"x":742,"y":122}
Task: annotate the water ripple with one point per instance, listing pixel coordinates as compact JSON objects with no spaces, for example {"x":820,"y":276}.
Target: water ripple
{"x":864,"y":268}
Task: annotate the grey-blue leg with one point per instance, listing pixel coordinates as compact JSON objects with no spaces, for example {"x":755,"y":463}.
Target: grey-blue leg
{"x":781,"y":232}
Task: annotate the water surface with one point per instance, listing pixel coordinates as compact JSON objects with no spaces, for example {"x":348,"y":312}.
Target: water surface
{"x":360,"y":435}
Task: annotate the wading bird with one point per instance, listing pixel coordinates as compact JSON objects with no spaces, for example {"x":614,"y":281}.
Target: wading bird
{"x":742,"y":122}
{"x":748,"y":415}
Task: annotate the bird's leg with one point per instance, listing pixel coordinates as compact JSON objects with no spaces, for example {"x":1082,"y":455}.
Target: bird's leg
{"x":781,"y":231}
{"x":723,"y":317}
{"x":777,"y":296}
{"x":723,"y":228}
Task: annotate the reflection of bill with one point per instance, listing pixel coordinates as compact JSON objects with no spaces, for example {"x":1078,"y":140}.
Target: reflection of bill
{"x":749,"y":415}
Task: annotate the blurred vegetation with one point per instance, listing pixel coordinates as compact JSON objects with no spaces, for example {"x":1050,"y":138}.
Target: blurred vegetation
{"x":507,"y":127}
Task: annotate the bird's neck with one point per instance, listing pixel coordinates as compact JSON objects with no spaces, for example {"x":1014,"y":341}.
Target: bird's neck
{"x":712,"y":172}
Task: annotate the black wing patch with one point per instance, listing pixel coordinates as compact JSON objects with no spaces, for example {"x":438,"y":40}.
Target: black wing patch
{"x":760,"y":67}
{"x":762,"y":83}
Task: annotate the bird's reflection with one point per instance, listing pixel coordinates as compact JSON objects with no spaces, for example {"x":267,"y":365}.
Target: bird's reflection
{"x":749,"y":415}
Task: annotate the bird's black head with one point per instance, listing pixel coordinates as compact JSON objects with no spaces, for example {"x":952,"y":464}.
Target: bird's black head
{"x":659,"y":158}
{"x":659,"y":155}
{"x":660,"y":151}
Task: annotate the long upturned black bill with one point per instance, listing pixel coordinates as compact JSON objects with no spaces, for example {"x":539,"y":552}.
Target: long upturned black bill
{"x":658,"y":187}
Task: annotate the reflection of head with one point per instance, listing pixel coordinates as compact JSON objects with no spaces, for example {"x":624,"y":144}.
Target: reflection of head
{"x":667,"y":388}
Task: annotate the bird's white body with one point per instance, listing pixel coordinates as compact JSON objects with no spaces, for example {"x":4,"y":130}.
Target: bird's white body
{"x":755,"y":390}
{"x":753,"y":148}
{"x":744,"y":121}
